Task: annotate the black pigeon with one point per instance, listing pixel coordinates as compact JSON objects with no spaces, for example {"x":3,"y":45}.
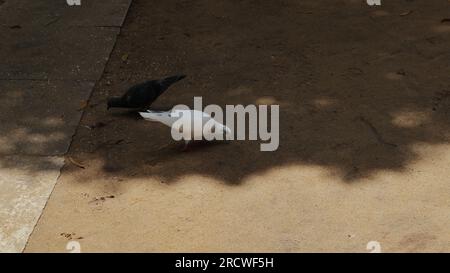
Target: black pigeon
{"x":144,"y":94}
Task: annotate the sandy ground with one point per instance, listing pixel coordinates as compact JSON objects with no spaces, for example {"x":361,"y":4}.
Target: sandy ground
{"x":364,"y":97}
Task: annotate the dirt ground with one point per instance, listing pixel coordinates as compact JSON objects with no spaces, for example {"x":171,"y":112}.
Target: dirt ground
{"x":364,"y":95}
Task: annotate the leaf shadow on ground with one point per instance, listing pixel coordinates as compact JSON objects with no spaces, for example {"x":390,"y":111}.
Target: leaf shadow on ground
{"x":357,"y":90}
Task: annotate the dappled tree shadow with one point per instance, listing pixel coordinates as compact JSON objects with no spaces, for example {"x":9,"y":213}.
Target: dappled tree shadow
{"x":36,"y":121}
{"x":356,"y":93}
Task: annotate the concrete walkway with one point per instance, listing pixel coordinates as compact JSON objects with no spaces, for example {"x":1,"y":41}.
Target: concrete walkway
{"x":52,"y":56}
{"x":364,"y":154}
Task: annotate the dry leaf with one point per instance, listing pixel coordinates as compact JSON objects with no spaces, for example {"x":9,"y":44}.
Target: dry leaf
{"x":78,"y":164}
{"x":83,"y":105}
{"x":125,"y":57}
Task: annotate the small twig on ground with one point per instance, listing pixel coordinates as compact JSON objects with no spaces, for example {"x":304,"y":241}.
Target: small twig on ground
{"x":79,"y":165}
{"x":52,"y":21}
{"x":376,"y":133}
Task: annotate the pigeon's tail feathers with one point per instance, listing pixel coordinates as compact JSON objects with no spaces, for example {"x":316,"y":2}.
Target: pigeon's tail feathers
{"x":153,"y":115}
{"x":166,"y":82}
{"x":158,"y":116}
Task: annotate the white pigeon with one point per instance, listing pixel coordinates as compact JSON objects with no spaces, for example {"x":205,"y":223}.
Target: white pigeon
{"x":188,"y":124}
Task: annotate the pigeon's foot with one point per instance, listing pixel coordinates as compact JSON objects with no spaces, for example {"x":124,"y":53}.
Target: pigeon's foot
{"x":185,"y":146}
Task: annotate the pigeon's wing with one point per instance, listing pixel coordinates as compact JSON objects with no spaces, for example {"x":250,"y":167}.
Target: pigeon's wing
{"x":142,"y":95}
{"x":158,"y":116}
{"x":166,"y":82}
{"x":192,"y":114}
{"x":215,"y":128}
